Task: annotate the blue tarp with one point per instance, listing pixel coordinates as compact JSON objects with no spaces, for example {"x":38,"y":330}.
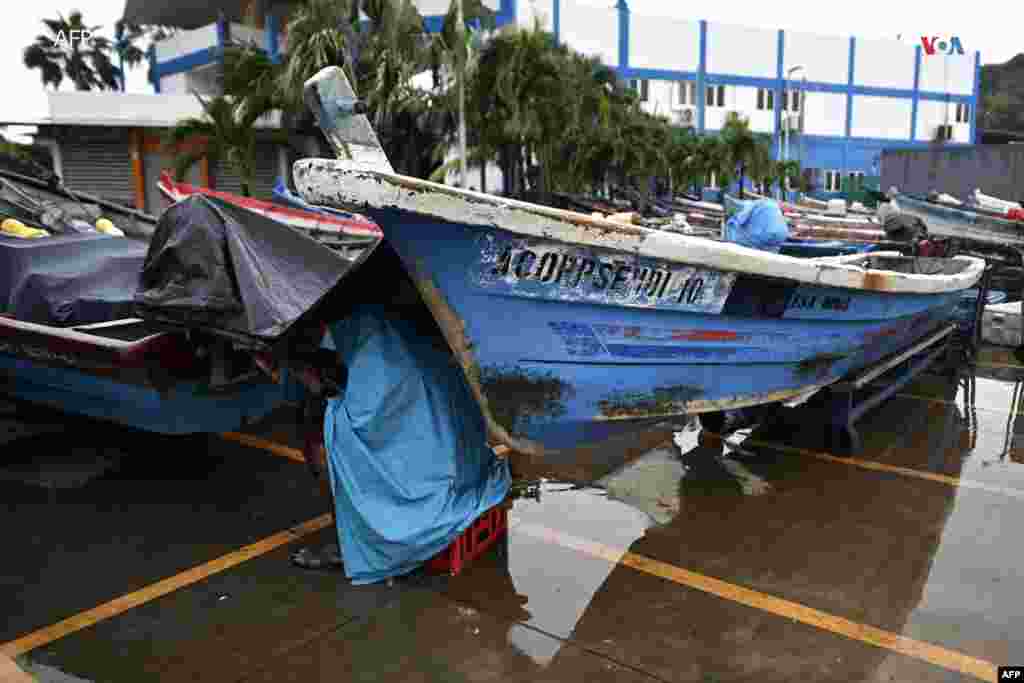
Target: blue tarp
{"x":758,"y":224}
{"x":406,"y":448}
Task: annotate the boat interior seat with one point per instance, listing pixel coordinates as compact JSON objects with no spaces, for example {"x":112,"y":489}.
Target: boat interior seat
{"x":68,"y":280}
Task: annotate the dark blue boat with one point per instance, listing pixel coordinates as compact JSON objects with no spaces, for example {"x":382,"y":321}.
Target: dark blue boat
{"x":571,"y":329}
{"x":87,"y":329}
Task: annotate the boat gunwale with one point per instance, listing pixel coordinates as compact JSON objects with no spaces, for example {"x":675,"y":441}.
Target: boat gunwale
{"x":319,"y":182}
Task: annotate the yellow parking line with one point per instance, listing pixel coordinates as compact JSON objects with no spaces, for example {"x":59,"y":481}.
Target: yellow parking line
{"x":892,"y":469}
{"x":156,"y":590}
{"x":263,"y":444}
{"x":927,"y":652}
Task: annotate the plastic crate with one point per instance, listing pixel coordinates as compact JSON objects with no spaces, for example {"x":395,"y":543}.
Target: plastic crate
{"x":483,"y":533}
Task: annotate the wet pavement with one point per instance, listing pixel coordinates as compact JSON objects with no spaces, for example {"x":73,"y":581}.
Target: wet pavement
{"x":764,"y":558}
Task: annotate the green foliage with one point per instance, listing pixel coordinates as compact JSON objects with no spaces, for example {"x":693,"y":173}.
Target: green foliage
{"x":85,"y":63}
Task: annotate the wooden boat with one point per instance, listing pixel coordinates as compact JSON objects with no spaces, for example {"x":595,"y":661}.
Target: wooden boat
{"x":71,"y":337}
{"x":571,"y":329}
{"x":350,"y":235}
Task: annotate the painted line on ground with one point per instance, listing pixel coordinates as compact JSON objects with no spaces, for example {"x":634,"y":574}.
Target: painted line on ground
{"x":891,"y":469}
{"x":916,"y":649}
{"x":263,"y":444}
{"x":117,"y":606}
{"x":929,"y":399}
{"x":1011,"y":366}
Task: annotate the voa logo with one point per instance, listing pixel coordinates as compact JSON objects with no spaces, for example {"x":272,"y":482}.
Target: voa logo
{"x":936,"y":44}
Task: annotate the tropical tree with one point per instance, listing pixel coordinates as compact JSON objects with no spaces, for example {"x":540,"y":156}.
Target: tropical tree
{"x":62,"y":52}
{"x":219,"y":135}
{"x":741,"y":146}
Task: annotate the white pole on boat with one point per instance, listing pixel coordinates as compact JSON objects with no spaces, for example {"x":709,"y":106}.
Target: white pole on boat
{"x":462,"y":97}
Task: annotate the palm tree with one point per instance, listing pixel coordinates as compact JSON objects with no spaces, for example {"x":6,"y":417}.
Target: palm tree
{"x":745,"y":150}
{"x":224,"y":135}
{"x":59,"y":55}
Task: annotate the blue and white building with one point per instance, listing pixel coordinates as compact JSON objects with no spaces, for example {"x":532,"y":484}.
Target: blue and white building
{"x":845,"y":98}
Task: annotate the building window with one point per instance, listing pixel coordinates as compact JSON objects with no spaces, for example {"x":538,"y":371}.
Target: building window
{"x":791,"y":100}
{"x":856,"y":181}
{"x":833,"y":181}
{"x":765,"y":99}
{"x":716,"y":96}
{"x":686,"y":93}
{"x":641,"y":86}
{"x":963,"y":113}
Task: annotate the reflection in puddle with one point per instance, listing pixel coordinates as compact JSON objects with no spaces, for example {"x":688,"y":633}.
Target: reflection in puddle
{"x":560,"y":583}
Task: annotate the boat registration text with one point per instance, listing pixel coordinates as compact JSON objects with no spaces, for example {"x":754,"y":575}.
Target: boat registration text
{"x":567,"y":274}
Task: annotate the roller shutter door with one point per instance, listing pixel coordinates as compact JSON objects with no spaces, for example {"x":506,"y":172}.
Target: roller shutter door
{"x":264,"y":175}
{"x":99,"y":167}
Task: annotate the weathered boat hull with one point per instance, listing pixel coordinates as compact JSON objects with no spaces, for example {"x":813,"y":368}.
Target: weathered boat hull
{"x":127,"y":373}
{"x":561,"y":366}
{"x":572,"y":328}
{"x":947,"y":220}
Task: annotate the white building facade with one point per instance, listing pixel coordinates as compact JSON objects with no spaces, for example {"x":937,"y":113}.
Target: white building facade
{"x":845,"y":99}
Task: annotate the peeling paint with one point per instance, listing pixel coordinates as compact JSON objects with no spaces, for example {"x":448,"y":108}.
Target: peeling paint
{"x":517,"y":397}
{"x":454,"y":330}
{"x":663,"y":401}
{"x":818,"y":365}
{"x":345,"y":182}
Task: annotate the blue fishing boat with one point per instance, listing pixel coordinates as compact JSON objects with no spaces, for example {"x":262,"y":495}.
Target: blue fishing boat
{"x":110,"y":328}
{"x":571,"y":329}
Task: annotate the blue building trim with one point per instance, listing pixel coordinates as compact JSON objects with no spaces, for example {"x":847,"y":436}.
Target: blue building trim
{"x":657,"y":74}
{"x":433,"y":23}
{"x":623,"y":9}
{"x":223,"y":32}
{"x":780,"y":62}
{"x":556,"y":20}
{"x":187,"y":62}
{"x":917,"y":94}
{"x":154,"y":74}
{"x":849,"y":103}
{"x":702,"y":67}
{"x":271,"y":37}
{"x":975,"y":96}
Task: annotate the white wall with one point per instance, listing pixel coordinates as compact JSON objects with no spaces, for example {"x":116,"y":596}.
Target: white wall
{"x":535,"y":10}
{"x":881,"y":117}
{"x":174,"y":84}
{"x":824,"y":58}
{"x":186,"y":42}
{"x":430,"y":8}
{"x":742,"y":51}
{"x":947,"y":73}
{"x":130,"y":109}
{"x":659,"y":43}
{"x":590,"y":30}
{"x":883,"y":64}
{"x":825,"y":113}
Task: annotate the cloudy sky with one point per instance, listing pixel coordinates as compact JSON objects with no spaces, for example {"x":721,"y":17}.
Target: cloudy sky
{"x":976,"y":24}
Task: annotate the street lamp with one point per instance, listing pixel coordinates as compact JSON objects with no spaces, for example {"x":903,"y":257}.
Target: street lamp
{"x":785,"y":121}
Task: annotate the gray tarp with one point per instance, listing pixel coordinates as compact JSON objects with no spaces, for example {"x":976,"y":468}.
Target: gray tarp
{"x":227,"y":270}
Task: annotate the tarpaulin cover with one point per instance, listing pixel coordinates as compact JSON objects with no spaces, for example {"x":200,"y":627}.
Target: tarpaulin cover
{"x":223,"y":268}
{"x":68,"y":280}
{"x":407,"y":448}
{"x":758,"y":224}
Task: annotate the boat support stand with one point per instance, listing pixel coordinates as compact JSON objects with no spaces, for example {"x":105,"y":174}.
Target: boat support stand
{"x":850,"y":399}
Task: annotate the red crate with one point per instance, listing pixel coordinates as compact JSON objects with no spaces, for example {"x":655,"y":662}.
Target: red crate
{"x":473,"y":542}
